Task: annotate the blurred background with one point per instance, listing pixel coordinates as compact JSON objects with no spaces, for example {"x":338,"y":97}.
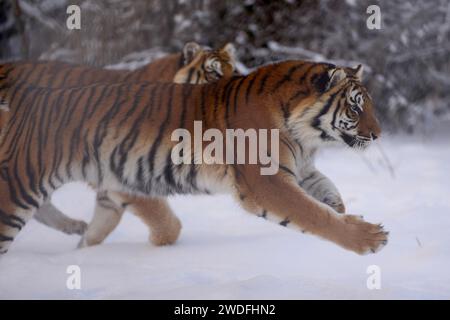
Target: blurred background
{"x":407,"y":60}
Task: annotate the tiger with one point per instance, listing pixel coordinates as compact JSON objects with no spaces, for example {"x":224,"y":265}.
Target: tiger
{"x":195,"y":64}
{"x":92,"y":139}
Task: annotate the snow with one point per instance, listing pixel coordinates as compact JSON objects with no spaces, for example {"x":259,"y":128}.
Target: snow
{"x":224,"y":253}
{"x":138,"y":59}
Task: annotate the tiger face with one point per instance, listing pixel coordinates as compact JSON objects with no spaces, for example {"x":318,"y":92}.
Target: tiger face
{"x":206,"y":65}
{"x":348,"y":114}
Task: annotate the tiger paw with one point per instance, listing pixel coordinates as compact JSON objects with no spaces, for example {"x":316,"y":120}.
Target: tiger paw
{"x":362,"y":237}
{"x":75,"y":227}
{"x":166,"y":234}
{"x":336,"y":203}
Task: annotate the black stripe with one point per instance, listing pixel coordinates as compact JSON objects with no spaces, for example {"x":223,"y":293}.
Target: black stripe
{"x":339,"y":106}
{"x":52,"y":115}
{"x":192,"y":176}
{"x":316,"y":121}
{"x":287,"y":77}
{"x":262,"y":84}
{"x":82,"y":75}
{"x":21,"y":78}
{"x":106,"y":91}
{"x":5,"y":239}
{"x":301,"y":182}
{"x":289,"y":147}
{"x":190,"y":74}
{"x":11,"y":220}
{"x":66,"y":76}
{"x":226,"y":100}
{"x":216,"y":101}
{"x":151,"y":104}
{"x":53,"y":75}
{"x":86,"y":156}
{"x":41,"y":143}
{"x":199,"y":76}
{"x":16,"y":89}
{"x":306,"y":73}
{"x":12,"y":190}
{"x":250,"y":85}
{"x":316,"y":182}
{"x":168,"y":173}
{"x":137,"y":99}
{"x":286,"y":112}
{"x":186,"y":93}
{"x":104,"y":201}
{"x":19,"y":123}
{"x":287,"y":170}
{"x":75,"y":141}
{"x":140,"y":173}
{"x":236,"y":93}
{"x":59,"y":143}
{"x":162,"y":128}
{"x":297,"y":95}
{"x":122,"y":150}
{"x":28,"y":136}
{"x":285,"y":222}
{"x":25,"y":196}
{"x":203,"y":103}
{"x":104,"y":125}
{"x":180,"y":62}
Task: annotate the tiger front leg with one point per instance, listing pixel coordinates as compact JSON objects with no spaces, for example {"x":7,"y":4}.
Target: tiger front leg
{"x":287,"y":204}
{"x":107,"y":216}
{"x":155,"y":212}
{"x":321,"y":188}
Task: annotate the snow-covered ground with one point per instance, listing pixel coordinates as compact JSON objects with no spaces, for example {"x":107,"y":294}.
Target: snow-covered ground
{"x":228,"y":254}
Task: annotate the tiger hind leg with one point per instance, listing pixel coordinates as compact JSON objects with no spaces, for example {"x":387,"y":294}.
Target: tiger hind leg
{"x":54,"y":218}
{"x":13,"y":217}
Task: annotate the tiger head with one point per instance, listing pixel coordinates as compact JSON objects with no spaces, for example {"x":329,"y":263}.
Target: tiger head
{"x":346,"y":112}
{"x":205,"y":65}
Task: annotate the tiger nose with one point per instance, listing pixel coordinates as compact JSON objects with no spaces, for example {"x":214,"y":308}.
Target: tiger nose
{"x":375,"y":130}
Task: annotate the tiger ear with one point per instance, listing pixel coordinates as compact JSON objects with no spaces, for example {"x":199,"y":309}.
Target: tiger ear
{"x":358,"y":71}
{"x":230,"y":49}
{"x":190,"y":51}
{"x":335,"y":76}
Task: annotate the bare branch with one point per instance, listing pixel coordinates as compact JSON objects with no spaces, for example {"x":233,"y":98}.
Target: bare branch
{"x":34,"y":12}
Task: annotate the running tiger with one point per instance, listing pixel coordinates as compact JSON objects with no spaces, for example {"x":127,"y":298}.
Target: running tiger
{"x":57,"y":136}
{"x":195,"y":65}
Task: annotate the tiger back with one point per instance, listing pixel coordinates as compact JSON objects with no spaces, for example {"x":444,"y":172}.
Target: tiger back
{"x":195,"y":65}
